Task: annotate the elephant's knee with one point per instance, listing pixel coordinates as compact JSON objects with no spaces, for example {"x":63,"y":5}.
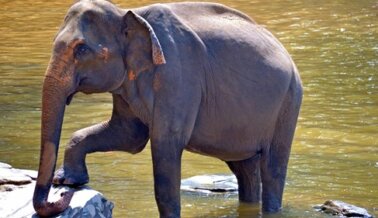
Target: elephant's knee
{"x":138,"y":147}
{"x":76,"y":139}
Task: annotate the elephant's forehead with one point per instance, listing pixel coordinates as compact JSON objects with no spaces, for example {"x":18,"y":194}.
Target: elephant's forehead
{"x":89,"y":19}
{"x":67,"y":34}
{"x":96,"y":11}
{"x":93,"y":6}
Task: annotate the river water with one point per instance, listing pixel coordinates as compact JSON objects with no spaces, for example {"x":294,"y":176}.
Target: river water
{"x":335,"y":151}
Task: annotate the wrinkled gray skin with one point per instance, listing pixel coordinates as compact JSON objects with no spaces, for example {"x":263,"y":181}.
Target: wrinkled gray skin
{"x":196,"y":76}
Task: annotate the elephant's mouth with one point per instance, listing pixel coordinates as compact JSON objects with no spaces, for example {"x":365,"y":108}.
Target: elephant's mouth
{"x":69,"y":98}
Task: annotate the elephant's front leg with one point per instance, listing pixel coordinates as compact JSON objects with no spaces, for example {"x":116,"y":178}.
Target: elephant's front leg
{"x":166,"y":157}
{"x":114,"y":135}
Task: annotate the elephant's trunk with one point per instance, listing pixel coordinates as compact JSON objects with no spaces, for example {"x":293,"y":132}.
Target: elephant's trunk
{"x":54,"y":97}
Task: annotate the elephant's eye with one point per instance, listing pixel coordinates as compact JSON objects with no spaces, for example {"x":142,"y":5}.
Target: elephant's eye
{"x":81,"y":50}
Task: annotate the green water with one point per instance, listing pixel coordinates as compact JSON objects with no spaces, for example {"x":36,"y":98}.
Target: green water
{"x":335,"y":152}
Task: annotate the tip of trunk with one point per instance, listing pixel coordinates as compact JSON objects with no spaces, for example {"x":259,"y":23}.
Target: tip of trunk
{"x":48,"y":209}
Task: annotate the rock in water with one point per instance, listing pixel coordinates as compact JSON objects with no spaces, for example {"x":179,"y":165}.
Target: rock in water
{"x":342,"y":209}
{"x":13,"y":176}
{"x":5,"y":165}
{"x":210,"y":184}
{"x":86,"y":202}
{"x":16,"y":197}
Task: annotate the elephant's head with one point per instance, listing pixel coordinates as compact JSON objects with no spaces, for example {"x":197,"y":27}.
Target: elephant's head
{"x":93,"y":50}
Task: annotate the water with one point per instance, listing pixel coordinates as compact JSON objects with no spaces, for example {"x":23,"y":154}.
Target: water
{"x":335,"y":152}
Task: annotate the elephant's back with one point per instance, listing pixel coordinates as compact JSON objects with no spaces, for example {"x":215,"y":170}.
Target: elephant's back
{"x":207,"y":19}
{"x":229,"y":36}
{"x":206,"y":11}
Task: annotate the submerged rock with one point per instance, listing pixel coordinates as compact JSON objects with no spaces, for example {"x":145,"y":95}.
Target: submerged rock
{"x":340,"y":208}
{"x":210,"y":184}
{"x":16,"y":198}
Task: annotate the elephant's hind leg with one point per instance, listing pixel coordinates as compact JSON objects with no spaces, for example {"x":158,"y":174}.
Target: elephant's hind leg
{"x":247,"y":173}
{"x":275,"y":159}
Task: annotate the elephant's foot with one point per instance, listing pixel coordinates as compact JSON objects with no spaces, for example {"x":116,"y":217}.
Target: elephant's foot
{"x":64,"y":176}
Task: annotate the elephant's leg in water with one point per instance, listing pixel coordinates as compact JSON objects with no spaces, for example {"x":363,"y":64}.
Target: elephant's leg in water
{"x":166,"y":158}
{"x":247,"y":173}
{"x":275,"y":160}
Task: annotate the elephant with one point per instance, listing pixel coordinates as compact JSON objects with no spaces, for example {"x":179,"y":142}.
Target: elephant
{"x":200,"y":77}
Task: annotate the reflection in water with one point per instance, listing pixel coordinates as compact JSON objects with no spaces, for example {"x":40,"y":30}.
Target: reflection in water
{"x":334,"y":44}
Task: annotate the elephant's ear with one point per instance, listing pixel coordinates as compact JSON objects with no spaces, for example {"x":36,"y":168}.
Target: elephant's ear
{"x":133,"y":21}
